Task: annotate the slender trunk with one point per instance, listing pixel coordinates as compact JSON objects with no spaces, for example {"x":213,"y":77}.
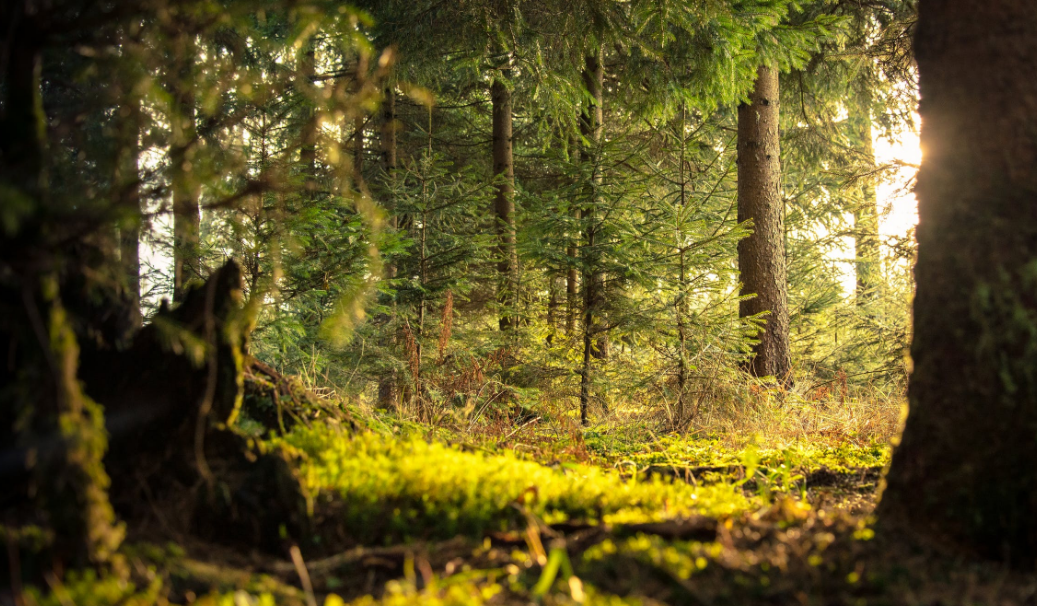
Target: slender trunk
{"x":681,"y":306}
{"x":127,"y":181}
{"x":183,"y":147}
{"x":552,"y":310}
{"x":359,"y":124}
{"x":572,"y":282}
{"x":308,"y":136}
{"x":358,"y":152}
{"x":964,"y":473}
{"x":761,"y":256}
{"x":388,"y":384}
{"x":504,"y":202}
{"x":388,"y":137}
{"x":591,"y":128}
{"x":866,"y":213}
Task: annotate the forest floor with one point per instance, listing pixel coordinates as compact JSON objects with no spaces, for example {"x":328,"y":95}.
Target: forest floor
{"x":405,"y":513}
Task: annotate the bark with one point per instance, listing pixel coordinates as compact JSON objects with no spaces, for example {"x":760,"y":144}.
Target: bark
{"x":388,"y":384}
{"x":127,"y":180}
{"x":591,"y":127}
{"x":761,"y":256}
{"x":964,"y":472}
{"x":552,"y":310}
{"x":308,"y":136}
{"x":358,"y":152}
{"x":359,"y":124}
{"x":36,"y":330}
{"x":504,"y":203}
{"x":866,"y":214}
{"x":183,"y":147}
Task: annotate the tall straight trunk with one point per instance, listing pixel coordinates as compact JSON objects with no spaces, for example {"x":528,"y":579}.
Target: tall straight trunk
{"x":504,"y":202}
{"x":388,"y":131}
{"x":866,"y":214}
{"x":572,"y":273}
{"x":127,"y":181}
{"x":964,"y":473}
{"x":359,"y":126}
{"x":183,"y":147}
{"x":358,"y":152}
{"x":552,"y":309}
{"x":761,"y":256}
{"x":70,"y":477}
{"x":591,"y":127}
{"x":681,"y":305}
{"x":388,"y":384}
{"x":308,"y":136}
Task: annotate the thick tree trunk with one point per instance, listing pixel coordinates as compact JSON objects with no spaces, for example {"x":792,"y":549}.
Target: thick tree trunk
{"x":71,"y":483}
{"x":761,"y":256}
{"x":591,"y":127}
{"x":866,"y":213}
{"x":183,"y":147}
{"x":504,"y":203}
{"x":965,"y":472}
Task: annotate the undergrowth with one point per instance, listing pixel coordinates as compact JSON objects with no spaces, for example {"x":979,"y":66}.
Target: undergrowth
{"x":406,"y":487}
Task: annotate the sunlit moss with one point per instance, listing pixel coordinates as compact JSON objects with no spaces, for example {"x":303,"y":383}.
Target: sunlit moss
{"x":407,"y":486}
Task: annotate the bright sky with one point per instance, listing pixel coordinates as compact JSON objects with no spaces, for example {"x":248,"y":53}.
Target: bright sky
{"x":898,"y":207}
{"x":896,"y":201}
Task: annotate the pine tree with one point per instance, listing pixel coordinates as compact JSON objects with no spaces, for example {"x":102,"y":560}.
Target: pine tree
{"x":761,"y":256}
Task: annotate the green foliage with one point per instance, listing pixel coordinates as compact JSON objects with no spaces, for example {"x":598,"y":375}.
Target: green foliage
{"x":393,"y":486}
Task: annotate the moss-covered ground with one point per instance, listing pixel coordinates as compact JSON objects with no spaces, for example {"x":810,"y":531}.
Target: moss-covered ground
{"x":411,"y":514}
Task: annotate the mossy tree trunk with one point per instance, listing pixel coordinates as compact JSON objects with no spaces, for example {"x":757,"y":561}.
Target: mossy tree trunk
{"x":66,"y":434}
{"x":965,"y":472}
{"x":761,"y":255}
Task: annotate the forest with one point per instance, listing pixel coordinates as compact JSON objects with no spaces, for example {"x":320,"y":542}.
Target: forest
{"x":463,"y":302}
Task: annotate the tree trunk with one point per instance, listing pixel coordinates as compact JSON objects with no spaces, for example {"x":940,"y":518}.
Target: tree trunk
{"x":591,"y":127}
{"x":388,"y":384}
{"x":866,"y":212}
{"x":504,"y":202}
{"x":183,"y":147}
{"x":761,"y":256}
{"x":71,"y":483}
{"x":308,"y":136}
{"x":964,"y":472}
{"x":127,"y":180}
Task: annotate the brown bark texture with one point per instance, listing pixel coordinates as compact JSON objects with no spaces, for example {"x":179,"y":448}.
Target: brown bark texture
{"x":965,"y":472}
{"x":504,"y":203}
{"x":761,"y":256}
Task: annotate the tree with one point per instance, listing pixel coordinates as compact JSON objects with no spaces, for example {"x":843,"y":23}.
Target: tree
{"x":504,"y":199}
{"x":761,"y":256}
{"x":182,"y":157}
{"x":964,"y":471}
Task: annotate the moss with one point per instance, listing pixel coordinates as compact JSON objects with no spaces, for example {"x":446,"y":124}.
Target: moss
{"x":407,"y":487}
{"x":75,"y":484}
